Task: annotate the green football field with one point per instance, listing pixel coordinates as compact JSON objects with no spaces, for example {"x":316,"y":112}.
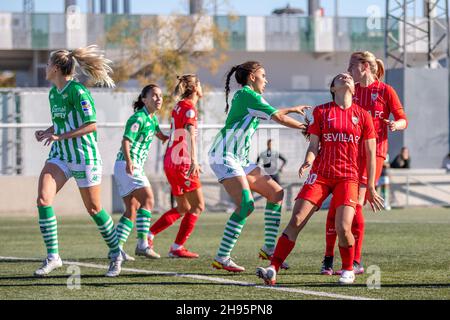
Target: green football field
{"x":409,"y":248}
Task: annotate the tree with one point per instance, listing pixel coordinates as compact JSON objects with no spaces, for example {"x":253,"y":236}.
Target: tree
{"x":158,"y":48}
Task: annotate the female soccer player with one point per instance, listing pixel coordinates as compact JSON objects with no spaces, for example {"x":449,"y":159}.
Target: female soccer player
{"x":229,"y":160}
{"x":129,"y":174}
{"x":340,"y":128}
{"x":74,"y":151}
{"x":380,"y":100}
{"x":182,"y":168}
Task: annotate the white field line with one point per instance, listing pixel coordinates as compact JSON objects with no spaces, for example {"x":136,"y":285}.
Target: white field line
{"x":203,"y":278}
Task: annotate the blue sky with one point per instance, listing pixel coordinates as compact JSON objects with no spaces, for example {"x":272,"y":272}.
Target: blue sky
{"x":240,"y":7}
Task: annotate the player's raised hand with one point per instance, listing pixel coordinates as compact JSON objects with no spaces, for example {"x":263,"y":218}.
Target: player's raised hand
{"x":375,"y":200}
{"x":303,"y":168}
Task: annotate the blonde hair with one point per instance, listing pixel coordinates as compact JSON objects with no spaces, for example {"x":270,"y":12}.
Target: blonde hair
{"x":376,"y":65}
{"x":186,"y":86}
{"x":91,"y":61}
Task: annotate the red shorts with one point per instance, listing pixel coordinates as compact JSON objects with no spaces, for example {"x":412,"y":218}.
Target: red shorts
{"x":363,"y":179}
{"x":180,"y":184}
{"x":316,"y":189}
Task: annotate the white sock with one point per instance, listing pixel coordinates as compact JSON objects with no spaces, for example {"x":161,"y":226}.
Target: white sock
{"x":176,"y":246}
{"x":142,"y":244}
{"x":53,"y":256}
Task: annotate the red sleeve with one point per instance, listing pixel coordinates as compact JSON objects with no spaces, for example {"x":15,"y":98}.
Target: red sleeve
{"x":190,"y":117}
{"x":315,"y":127}
{"x":395,"y":106}
{"x":368,"y":127}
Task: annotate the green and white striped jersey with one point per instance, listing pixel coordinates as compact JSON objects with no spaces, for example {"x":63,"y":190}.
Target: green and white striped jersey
{"x":71,"y":108}
{"x":233,"y":140}
{"x":140,"y":130}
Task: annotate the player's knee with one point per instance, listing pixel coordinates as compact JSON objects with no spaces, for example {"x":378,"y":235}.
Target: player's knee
{"x":277,"y":196}
{"x":43,"y":201}
{"x":198,"y":208}
{"x":148,"y":204}
{"x":93,"y":208}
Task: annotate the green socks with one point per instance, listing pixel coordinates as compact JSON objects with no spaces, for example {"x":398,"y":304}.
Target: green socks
{"x":272,"y":217}
{"x":106,"y":226}
{"x":49,"y":229}
{"x":123,"y":230}
{"x":143,"y":223}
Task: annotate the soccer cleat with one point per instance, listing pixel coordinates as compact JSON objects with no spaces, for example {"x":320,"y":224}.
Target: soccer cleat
{"x":147,"y":252}
{"x":227,"y":264}
{"x":265,"y":255}
{"x":115,"y":266}
{"x":269,"y":275}
{"x":358,"y":268}
{"x":182,"y":253}
{"x":347,"y":277}
{"x":48,"y":266}
{"x":327,"y":266}
{"x":125,"y":256}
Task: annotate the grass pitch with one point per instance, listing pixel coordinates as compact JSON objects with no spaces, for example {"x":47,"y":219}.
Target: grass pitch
{"x":410,"y":247}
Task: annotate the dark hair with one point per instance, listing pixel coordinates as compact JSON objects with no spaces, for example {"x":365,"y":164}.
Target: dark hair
{"x":332,"y":85}
{"x":242,"y":72}
{"x":139,"y":104}
{"x":186,"y":85}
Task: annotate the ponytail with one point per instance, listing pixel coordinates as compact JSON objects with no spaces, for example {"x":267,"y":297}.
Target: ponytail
{"x":139,"y":104}
{"x":227,"y":86}
{"x":242,"y":72}
{"x":380,"y":69}
{"x":186,"y":86}
{"x":91,"y":61}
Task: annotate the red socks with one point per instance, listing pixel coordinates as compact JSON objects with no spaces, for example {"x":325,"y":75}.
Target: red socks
{"x":330,"y":231}
{"x":186,"y":228}
{"x":165,"y":221}
{"x":282,"y":250}
{"x":347,"y":256}
{"x":358,"y":232}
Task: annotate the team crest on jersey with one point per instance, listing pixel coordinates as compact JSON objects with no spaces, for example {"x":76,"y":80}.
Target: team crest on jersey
{"x":374,"y":96}
{"x":87,"y":108}
{"x":187,"y":183}
{"x":190,"y":114}
{"x":135,"y":127}
{"x":355,"y":120}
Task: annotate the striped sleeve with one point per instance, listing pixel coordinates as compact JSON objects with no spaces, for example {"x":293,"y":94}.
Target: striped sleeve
{"x":84,"y":105}
{"x":260,"y":108}
{"x":132,"y":128}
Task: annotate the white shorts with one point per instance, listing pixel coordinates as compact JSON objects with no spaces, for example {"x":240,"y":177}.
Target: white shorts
{"x":229,"y":168}
{"x":85,"y":175}
{"x":128,"y":183}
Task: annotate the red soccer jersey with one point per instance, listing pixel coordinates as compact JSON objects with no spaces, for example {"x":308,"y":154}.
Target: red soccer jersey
{"x":380,"y":100}
{"x":177,"y":152}
{"x":341,"y":133}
